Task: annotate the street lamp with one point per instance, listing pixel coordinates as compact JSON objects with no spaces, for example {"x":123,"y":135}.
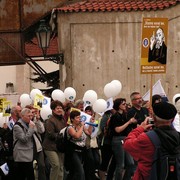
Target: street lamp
{"x":43,"y":35}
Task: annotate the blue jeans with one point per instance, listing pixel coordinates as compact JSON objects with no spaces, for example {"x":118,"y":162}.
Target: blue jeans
{"x":76,"y":170}
{"x":123,"y":160}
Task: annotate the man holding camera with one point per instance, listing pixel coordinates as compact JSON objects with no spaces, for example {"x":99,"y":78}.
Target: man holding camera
{"x":139,"y":145}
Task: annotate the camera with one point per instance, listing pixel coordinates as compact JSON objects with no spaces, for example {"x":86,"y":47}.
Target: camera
{"x":150,"y":121}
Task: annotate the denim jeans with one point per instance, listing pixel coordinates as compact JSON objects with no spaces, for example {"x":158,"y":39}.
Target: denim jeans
{"x":106,"y":155}
{"x":76,"y":170}
{"x":91,"y":163}
{"x":123,"y":160}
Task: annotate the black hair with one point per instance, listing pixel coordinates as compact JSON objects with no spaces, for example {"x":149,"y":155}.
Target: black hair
{"x":117,"y":103}
{"x":88,"y":108}
{"x":73,"y":114}
{"x":155,"y":98}
{"x":177,"y":99}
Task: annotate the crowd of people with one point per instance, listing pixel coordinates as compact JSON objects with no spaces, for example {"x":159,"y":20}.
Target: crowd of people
{"x":121,"y":149}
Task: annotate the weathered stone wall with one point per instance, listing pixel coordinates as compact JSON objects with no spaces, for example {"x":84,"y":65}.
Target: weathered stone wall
{"x":102,"y":46}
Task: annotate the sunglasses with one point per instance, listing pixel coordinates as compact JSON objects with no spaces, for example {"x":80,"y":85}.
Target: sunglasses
{"x":123,"y":104}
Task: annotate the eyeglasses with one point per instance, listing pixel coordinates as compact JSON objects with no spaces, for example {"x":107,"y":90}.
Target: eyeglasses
{"x":137,"y":98}
{"x":124,"y":104}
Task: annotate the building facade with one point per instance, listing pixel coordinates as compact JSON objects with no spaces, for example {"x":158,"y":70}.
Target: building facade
{"x":101,"y":41}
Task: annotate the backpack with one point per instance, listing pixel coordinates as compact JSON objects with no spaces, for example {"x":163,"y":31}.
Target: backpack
{"x":7,"y":141}
{"x":107,"y":130}
{"x":104,"y":133}
{"x":61,"y":140}
{"x":165,"y":166}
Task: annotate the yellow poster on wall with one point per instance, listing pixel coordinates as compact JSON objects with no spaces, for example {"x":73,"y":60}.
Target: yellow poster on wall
{"x":154,"y":45}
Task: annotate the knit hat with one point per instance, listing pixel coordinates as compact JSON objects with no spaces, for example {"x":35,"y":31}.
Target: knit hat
{"x":164,"y":110}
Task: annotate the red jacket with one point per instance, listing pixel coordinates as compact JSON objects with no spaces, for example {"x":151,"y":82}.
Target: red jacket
{"x":142,"y":150}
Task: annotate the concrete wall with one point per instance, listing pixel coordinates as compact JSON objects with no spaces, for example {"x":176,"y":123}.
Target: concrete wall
{"x":24,"y":84}
{"x":102,"y":46}
{"x":7,"y":77}
{"x":20,"y":76}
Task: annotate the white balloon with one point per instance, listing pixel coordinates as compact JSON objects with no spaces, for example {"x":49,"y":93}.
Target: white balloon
{"x":174,"y":98}
{"x":25,"y":99}
{"x":118,"y":86}
{"x":110,"y":90}
{"x":178,"y":106}
{"x":23,"y":105}
{"x":59,"y":95}
{"x":34,"y":92}
{"x":99,"y":105}
{"x":70,"y":93}
{"x":46,"y":112}
{"x":90,"y":97}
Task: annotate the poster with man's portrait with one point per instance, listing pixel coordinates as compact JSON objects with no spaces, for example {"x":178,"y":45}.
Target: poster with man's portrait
{"x":154,"y":45}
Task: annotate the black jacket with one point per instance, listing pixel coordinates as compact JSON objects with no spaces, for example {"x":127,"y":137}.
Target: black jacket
{"x":170,"y":139}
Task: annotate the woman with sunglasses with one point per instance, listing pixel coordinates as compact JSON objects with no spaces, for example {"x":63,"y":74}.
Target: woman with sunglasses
{"x":120,"y":127}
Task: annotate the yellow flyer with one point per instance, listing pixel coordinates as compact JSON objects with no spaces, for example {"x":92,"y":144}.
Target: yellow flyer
{"x":1,"y":103}
{"x":154,"y":45}
{"x":7,"y":108}
{"x":38,"y":101}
